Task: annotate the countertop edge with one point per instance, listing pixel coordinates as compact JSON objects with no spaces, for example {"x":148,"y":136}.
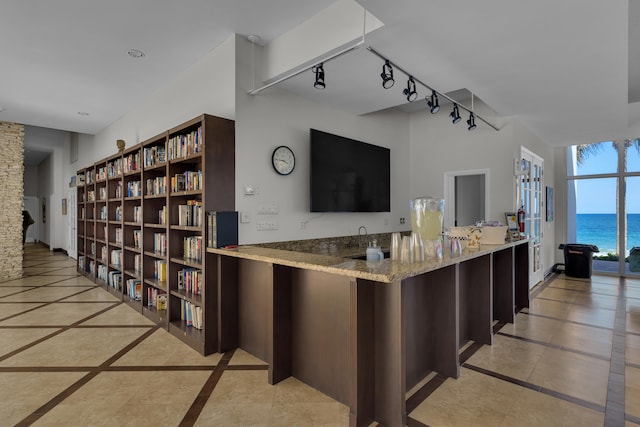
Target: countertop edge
{"x":385,"y":271}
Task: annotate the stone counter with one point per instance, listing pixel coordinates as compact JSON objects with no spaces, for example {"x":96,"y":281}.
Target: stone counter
{"x":341,"y":261}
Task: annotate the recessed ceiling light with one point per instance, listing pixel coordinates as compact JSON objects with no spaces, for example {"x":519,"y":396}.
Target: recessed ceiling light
{"x":135,"y":53}
{"x":83,"y":113}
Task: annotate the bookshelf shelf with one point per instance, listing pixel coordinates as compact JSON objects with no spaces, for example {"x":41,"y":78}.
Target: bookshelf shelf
{"x":146,"y":207}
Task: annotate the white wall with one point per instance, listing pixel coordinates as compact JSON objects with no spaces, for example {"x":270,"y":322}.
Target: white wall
{"x":31,"y":180}
{"x":277,"y":117}
{"x":437,"y":146}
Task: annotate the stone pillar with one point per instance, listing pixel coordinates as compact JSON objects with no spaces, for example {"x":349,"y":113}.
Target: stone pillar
{"x":11,"y":197}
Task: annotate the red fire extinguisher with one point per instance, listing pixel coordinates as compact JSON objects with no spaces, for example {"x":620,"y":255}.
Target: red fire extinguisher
{"x":521,"y":214}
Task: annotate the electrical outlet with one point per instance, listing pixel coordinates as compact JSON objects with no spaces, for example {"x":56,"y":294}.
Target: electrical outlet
{"x":386,"y":221}
{"x":402,"y":220}
{"x":245,"y":217}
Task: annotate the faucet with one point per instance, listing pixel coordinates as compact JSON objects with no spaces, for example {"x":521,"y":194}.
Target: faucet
{"x":362,"y":227}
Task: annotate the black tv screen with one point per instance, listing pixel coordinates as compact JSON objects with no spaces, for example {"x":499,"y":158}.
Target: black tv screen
{"x":348,"y":175}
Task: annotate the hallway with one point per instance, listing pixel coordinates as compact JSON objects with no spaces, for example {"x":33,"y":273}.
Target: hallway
{"x":72,"y":354}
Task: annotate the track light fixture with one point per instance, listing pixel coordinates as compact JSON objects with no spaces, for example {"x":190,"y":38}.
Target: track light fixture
{"x":410,"y":92}
{"x":455,"y":114}
{"x":433,"y":103}
{"x":471,"y":122}
{"x":387,"y":75}
{"x":319,"y":70}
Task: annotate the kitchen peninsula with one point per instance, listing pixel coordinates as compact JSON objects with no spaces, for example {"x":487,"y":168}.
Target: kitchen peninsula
{"x":364,"y":332}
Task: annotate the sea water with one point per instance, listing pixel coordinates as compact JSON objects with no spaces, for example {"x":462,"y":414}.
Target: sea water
{"x":600,"y":230}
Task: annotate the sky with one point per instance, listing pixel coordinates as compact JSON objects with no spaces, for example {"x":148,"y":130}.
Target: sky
{"x":599,"y":195}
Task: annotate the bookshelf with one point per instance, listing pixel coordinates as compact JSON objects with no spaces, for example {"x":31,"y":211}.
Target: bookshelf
{"x":143,"y":232}
{"x":81,"y":222}
{"x":130,"y":238}
{"x":201,"y":173}
{"x":154,"y":217}
{"x":90,"y":225}
{"x":112,"y":256}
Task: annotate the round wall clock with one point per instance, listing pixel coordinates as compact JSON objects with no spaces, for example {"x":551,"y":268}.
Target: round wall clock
{"x":283,"y":160}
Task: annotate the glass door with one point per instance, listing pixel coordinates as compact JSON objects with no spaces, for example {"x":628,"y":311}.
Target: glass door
{"x":632,"y":226}
{"x":531,"y":199}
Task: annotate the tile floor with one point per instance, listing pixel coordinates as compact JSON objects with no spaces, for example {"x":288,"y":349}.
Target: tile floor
{"x":72,"y":354}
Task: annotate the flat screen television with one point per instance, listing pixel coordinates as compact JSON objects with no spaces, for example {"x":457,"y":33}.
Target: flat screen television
{"x":348,"y":175}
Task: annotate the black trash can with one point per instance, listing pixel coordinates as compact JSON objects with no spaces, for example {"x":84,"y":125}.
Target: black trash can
{"x":578,"y":259}
{"x":634,"y":259}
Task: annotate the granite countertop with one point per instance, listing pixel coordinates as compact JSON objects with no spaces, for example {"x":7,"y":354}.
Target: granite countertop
{"x":339,"y":261}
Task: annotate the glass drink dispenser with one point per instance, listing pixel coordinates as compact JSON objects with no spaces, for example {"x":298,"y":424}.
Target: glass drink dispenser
{"x":427,"y":216}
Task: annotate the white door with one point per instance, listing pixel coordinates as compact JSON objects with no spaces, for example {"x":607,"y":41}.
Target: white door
{"x":531,"y":198}
{"x":72,"y":212}
{"x":32,"y":205}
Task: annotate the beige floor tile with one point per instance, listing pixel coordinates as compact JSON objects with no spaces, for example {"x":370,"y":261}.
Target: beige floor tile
{"x":53,"y":314}
{"x":633,"y":292}
{"x":58,"y":263}
{"x":512,"y":357}
{"x":558,"y":295}
{"x":543,"y":307}
{"x":32,"y":271}
{"x":9,"y":290}
{"x":241,"y":357}
{"x":632,"y":391}
{"x":235,"y":415}
{"x":76,"y":347}
{"x":633,"y":322}
{"x":571,"y":285}
{"x":245,"y":398}
{"x":592,"y":316}
{"x":31,"y":281}
{"x":23,"y":393}
{"x":62,"y":271}
{"x":120,"y":315}
{"x":533,"y":327}
{"x":611,"y":280}
{"x":584,"y":338}
{"x":473,"y":399}
{"x":574,"y":374}
{"x":243,"y":387}
{"x":632,"y":351}
{"x":633,"y":305}
{"x":11,"y":309}
{"x":600,"y":301}
{"x":93,"y":295}
{"x":331,"y":414}
{"x":45,"y":293}
{"x":163,"y":349}
{"x":536,"y":409}
{"x":13,"y":339}
{"x":73,"y":281}
{"x":129,"y":398}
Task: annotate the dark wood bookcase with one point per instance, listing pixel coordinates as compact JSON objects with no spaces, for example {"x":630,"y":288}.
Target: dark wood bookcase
{"x":145,"y":209}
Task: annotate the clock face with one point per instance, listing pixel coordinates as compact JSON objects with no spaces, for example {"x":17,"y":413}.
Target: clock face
{"x":283,"y":160}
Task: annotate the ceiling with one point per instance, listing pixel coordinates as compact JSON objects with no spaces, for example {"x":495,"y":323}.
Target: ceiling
{"x":565,"y":70}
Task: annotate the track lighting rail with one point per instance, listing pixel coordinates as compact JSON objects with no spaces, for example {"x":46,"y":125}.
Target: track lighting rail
{"x":302,"y":70}
{"x":421,"y":83}
{"x":410,"y":91}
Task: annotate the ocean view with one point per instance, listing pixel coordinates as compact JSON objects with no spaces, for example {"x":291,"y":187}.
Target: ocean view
{"x":600,"y":230}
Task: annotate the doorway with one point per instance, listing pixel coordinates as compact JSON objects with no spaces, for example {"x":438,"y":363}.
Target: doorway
{"x":466,"y":195}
